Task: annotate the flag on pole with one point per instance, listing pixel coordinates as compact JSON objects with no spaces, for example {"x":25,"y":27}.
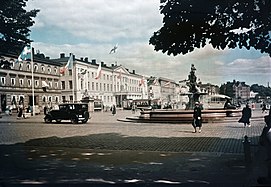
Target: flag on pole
{"x":69,"y":65}
{"x":167,"y":84}
{"x":155,"y":82}
{"x":114,"y":49}
{"x":99,"y":72}
{"x":119,"y":76}
{"x":141,"y":82}
{"x":25,"y":54}
{"x":44,"y":85}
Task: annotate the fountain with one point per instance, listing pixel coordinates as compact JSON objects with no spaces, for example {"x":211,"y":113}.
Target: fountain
{"x":185,"y":115}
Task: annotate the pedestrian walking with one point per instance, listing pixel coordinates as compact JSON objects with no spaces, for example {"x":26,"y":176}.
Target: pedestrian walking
{"x":113,"y":109}
{"x":133,"y":108}
{"x":20,"y":113}
{"x":45,"y":110}
{"x":197,"y":120}
{"x":246,"y":115}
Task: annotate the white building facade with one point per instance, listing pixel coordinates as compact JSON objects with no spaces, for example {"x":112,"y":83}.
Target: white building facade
{"x":114,"y":85}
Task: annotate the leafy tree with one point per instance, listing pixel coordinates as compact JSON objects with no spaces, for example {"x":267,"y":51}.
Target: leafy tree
{"x":261,"y":90}
{"x":190,"y":24}
{"x":14,"y":25}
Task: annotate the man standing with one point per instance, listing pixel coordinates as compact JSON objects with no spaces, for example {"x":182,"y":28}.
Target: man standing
{"x":197,"y":120}
{"x":246,"y":115}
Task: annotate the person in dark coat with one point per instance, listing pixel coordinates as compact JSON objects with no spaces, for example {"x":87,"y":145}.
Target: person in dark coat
{"x":113,"y":110}
{"x":20,"y":114}
{"x":197,"y":120}
{"x":246,"y":115}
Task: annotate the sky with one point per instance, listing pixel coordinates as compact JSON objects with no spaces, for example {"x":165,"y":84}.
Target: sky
{"x":91,"y":28}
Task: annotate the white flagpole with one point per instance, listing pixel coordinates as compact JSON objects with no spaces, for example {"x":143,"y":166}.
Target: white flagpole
{"x":73,"y":80}
{"x":33,"y":84}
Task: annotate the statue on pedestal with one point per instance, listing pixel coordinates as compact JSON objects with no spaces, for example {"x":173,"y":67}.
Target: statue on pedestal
{"x":193,"y":88}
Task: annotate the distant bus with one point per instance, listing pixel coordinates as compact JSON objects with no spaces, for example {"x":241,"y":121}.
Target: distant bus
{"x":214,"y":101}
{"x":141,"y":103}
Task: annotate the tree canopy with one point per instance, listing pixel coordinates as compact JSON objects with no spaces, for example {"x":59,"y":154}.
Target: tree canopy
{"x":190,"y":24}
{"x":15,"y":22}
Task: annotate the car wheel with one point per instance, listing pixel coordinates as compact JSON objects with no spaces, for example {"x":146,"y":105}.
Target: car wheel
{"x":58,"y":120}
{"x":74,"y":120}
{"x":85,"y":120}
{"x":47,"y":120}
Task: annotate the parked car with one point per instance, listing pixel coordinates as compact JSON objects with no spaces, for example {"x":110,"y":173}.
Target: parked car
{"x":74,"y":112}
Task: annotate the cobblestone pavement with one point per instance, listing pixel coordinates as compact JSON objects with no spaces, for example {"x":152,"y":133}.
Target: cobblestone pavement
{"x":106,"y":151}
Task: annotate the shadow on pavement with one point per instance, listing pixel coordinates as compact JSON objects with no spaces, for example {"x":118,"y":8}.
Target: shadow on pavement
{"x":112,"y":159}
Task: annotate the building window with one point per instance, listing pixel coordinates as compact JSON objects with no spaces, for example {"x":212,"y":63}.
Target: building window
{"x":44,"y":99}
{"x":63,"y":99}
{"x":12,"y":63}
{"x":28,"y":66}
{"x":82,"y":84}
{"x":70,"y":84}
{"x":71,"y":98}
{"x":36,"y":83}
{"x":29,"y":82}
{"x":3,"y":81}
{"x":63,"y":85}
{"x":92,"y":86}
{"x":42,"y":68}
{"x":21,"y":66}
{"x":49,"y":70}
{"x":97,"y":86}
{"x":21,"y":82}
{"x":56,"y":99}
{"x":56,"y":85}
{"x":50,"y":99}
{"x":12,"y":81}
{"x":36,"y":68}
{"x":70,"y":72}
{"x":55,"y":70}
{"x":50,"y":84}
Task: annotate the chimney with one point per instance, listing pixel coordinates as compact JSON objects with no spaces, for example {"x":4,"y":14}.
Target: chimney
{"x":86,"y":59}
{"x":62,"y":55}
{"x":93,"y":61}
{"x":133,"y":71}
{"x":112,"y":65}
{"x":82,"y":59}
{"x":48,"y":58}
{"x":102,"y":64}
{"x":127,"y":69}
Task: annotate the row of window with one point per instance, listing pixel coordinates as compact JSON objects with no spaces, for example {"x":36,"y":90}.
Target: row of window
{"x":26,"y":82}
{"x":108,"y":77}
{"x":37,"y":68}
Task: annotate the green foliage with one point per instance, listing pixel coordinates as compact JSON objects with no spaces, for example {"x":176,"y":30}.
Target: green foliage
{"x":261,"y":90}
{"x":190,"y":24}
{"x":15,"y":22}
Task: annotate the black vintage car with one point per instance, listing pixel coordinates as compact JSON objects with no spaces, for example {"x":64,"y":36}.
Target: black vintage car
{"x":74,"y":112}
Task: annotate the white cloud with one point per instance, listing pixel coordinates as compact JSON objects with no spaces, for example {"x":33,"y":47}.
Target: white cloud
{"x":99,"y":25}
{"x":100,"y":20}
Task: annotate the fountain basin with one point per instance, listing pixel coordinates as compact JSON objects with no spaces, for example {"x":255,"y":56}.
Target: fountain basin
{"x":184,"y":116}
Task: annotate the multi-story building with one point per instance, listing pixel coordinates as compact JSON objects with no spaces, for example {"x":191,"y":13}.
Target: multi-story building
{"x":166,"y":91}
{"x":16,"y":82}
{"x":114,"y":85}
{"x":236,"y":89}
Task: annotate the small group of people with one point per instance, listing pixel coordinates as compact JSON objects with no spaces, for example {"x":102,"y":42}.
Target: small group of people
{"x":197,"y":118}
